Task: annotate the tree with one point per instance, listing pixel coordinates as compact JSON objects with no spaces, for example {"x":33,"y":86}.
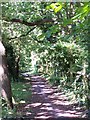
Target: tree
{"x":6,"y":86}
{"x":56,"y":32}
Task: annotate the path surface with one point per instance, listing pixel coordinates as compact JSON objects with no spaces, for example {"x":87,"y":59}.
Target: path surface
{"x":47,"y":102}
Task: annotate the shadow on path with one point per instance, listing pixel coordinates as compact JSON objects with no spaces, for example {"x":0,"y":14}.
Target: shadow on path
{"x":47,"y":102}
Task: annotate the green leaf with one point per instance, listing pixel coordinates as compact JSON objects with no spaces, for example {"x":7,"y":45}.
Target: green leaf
{"x":57,"y":9}
{"x":67,"y":21}
{"x":81,"y":12}
{"x":53,"y":6}
{"x":41,"y":36}
{"x":48,"y":7}
{"x":54,"y":28}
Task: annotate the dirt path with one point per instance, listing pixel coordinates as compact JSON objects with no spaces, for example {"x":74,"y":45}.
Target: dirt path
{"x":46,"y":102}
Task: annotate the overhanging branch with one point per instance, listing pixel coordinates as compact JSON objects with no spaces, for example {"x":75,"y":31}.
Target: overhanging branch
{"x":22,"y":34}
{"x":39,"y":22}
{"x":36,"y":23}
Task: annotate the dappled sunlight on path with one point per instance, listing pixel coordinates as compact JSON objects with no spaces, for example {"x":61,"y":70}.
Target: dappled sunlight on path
{"x":47,"y":102}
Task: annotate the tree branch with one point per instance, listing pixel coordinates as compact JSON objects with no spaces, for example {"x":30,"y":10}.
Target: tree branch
{"x":23,"y":34}
{"x":36,"y":23}
{"x":39,"y":22}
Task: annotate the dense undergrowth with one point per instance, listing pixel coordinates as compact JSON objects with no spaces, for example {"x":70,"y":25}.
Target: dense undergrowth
{"x":52,"y":39}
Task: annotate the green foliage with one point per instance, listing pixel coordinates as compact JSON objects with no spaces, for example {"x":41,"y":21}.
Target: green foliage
{"x":61,"y":47}
{"x":20,"y":91}
{"x":56,"y":7}
{"x":23,"y":91}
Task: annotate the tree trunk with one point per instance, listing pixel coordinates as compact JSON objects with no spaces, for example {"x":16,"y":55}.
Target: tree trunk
{"x":6,"y":86}
{"x":17,"y":68}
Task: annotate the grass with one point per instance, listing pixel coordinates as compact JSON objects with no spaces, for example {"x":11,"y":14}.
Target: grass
{"x":21,"y":92}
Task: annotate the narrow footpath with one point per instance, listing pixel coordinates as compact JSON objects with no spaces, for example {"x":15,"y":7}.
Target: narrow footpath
{"x":47,"y":102}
